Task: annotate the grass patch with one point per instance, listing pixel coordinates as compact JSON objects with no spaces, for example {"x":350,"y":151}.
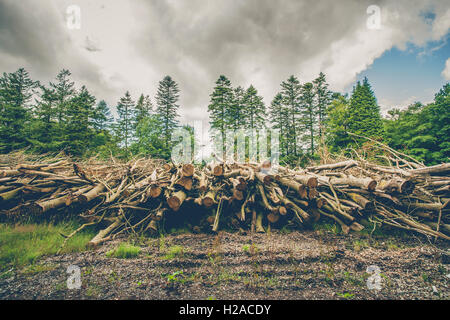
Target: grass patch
{"x":124,"y":251}
{"x":36,"y":268}
{"x":359,"y":245}
{"x":24,"y":244}
{"x":174,"y":252}
{"x":346,"y":295}
{"x":250,"y":249}
{"x":323,"y":227}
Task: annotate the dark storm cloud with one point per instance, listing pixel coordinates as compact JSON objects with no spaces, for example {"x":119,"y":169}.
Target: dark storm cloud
{"x":131,"y":45}
{"x":33,"y":35}
{"x":252,"y":41}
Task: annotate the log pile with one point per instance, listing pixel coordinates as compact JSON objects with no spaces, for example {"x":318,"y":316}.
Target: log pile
{"x":144,"y":195}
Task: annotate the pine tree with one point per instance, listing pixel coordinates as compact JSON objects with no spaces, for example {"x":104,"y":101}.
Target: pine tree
{"x":254,"y":114}
{"x":166,"y":107}
{"x":255,"y":109}
{"x":220,"y":106}
{"x":77,"y":130}
{"x":323,"y":99}
{"x":144,"y":108}
{"x":43,"y":133}
{"x":101,"y":116}
{"x":308,"y":113}
{"x":364,"y":112}
{"x":64,"y":91}
{"x":291,"y":91}
{"x":16,"y":90}
{"x":278,"y":115}
{"x":235,"y":112}
{"x":337,"y":123}
{"x":150,"y":140}
{"x":127,"y":121}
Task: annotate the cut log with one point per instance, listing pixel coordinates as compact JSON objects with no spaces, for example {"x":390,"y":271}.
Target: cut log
{"x":343,"y":164}
{"x":101,"y":236}
{"x":307,"y":180}
{"x":44,"y":206}
{"x":440,"y":168}
{"x":209,"y":199}
{"x":264,"y":178}
{"x":299,"y":188}
{"x":9,"y":195}
{"x":92,"y":194}
{"x":176,"y":200}
{"x":187,"y":170}
{"x":365,"y":203}
{"x":397,"y":185}
{"x":259,"y":227}
{"x":185,"y":182}
{"x":364,"y":183}
{"x":273,"y":217}
{"x":9,"y":173}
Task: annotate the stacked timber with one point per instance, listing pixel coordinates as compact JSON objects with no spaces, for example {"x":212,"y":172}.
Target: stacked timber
{"x":140,"y":195}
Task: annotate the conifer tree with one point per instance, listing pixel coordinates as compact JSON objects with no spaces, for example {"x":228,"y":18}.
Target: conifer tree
{"x":101,"y":116}
{"x":255,"y":109}
{"x":291,"y":91}
{"x":16,"y":90}
{"x":235,"y":112}
{"x":77,"y":130}
{"x":220,"y":105}
{"x":166,"y":107}
{"x":279,"y":119}
{"x":364,"y":112}
{"x":254,"y":113}
{"x":308,"y":113}
{"x":337,"y":123}
{"x":323,"y":99}
{"x":127,"y":120}
{"x":64,"y":90}
{"x":144,"y":108}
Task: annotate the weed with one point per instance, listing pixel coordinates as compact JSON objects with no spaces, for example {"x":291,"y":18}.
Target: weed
{"x":346,"y":295}
{"x":353,"y":279}
{"x":174,"y":252}
{"x":359,"y":245}
{"x":36,"y":268}
{"x":124,"y":251}
{"x":93,"y":291}
{"x":250,"y":249}
{"x":24,"y":244}
{"x":176,"y":277}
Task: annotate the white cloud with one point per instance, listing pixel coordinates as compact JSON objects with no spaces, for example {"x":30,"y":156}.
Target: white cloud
{"x":132,"y":45}
{"x":446,"y":71}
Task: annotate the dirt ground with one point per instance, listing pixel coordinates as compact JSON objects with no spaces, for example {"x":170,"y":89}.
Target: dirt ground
{"x":306,"y":265}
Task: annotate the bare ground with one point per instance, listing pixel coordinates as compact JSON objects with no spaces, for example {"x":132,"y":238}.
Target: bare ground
{"x":306,"y":265}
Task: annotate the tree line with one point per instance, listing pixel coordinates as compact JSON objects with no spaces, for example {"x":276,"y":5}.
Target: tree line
{"x":59,"y":116}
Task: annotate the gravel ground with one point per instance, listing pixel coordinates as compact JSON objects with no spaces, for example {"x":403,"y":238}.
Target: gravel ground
{"x":307,"y":265}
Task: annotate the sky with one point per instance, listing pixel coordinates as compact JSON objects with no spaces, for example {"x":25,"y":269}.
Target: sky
{"x":120,"y":45}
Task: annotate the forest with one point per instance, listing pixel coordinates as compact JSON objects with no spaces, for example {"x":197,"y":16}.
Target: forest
{"x":62,"y":116}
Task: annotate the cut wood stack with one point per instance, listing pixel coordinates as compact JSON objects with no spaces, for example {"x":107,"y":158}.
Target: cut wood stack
{"x":141,"y":195}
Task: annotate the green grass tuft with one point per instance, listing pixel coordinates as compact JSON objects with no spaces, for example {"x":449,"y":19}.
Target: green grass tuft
{"x":24,"y":244}
{"x":124,"y":251}
{"x":174,"y":252}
